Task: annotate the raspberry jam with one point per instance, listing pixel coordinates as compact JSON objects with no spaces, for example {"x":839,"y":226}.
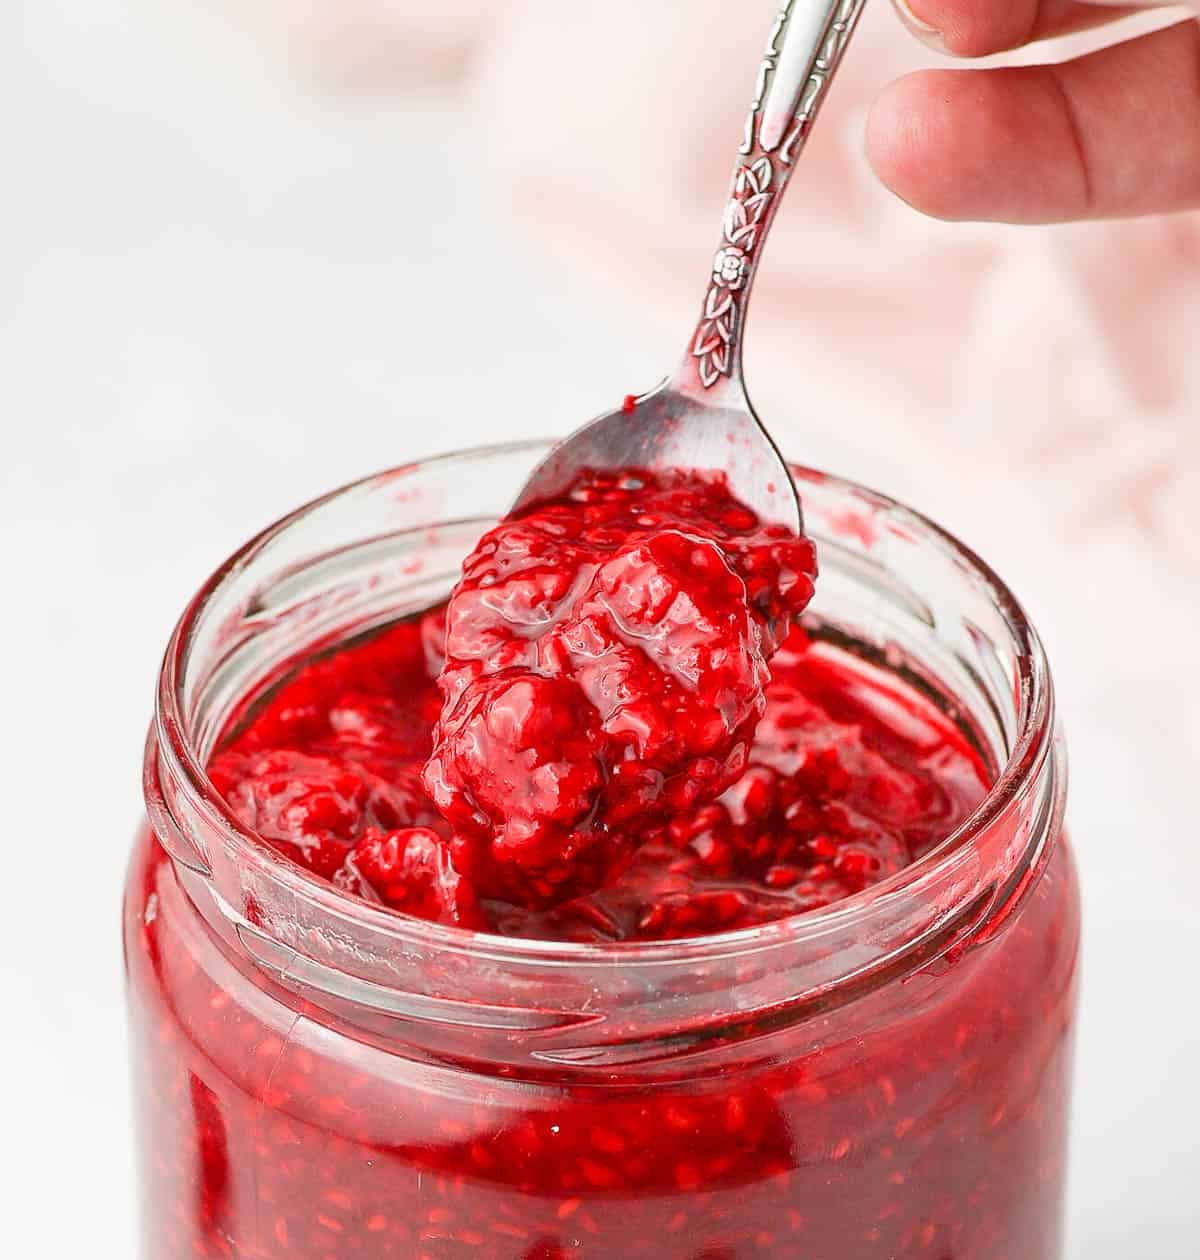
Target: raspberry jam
{"x":847,"y":780}
{"x":780,"y":1018}
{"x":607,"y":657}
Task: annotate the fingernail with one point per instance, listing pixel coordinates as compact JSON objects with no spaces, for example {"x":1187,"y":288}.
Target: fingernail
{"x":922,"y":30}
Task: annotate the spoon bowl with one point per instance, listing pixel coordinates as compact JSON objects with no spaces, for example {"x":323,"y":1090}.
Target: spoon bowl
{"x":668,"y":428}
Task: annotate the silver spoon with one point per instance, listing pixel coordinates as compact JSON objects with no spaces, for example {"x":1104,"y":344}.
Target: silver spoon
{"x":701,"y":417}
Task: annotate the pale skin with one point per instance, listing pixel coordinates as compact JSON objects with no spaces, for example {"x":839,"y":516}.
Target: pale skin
{"x":1112,"y":134}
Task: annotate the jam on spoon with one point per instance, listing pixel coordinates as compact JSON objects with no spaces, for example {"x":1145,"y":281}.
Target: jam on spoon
{"x":607,"y":659}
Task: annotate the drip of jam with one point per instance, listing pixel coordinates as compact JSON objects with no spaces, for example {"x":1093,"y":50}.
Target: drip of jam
{"x":609,"y":733}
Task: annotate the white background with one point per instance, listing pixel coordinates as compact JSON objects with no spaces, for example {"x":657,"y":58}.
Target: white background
{"x":219,"y":297}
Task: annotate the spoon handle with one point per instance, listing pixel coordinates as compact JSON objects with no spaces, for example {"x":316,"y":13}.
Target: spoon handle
{"x":804,"y":49}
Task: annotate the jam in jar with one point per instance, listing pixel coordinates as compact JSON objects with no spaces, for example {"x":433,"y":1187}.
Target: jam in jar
{"x":798,"y":985}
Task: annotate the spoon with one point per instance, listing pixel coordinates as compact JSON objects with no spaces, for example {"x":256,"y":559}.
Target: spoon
{"x":701,"y":417}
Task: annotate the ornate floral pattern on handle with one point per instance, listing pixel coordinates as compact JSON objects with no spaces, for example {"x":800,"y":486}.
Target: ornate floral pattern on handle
{"x":761,"y":176}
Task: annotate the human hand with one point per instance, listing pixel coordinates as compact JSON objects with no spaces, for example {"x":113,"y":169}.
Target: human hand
{"x":1110,"y":134}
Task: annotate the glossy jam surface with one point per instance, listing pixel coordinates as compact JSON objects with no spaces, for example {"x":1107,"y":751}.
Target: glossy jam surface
{"x":611,"y":735}
{"x":848,"y":777}
{"x":622,"y":751}
{"x":607,"y":658}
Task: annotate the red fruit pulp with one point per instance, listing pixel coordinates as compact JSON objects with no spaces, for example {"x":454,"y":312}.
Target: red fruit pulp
{"x":607,"y":656}
{"x":848,"y":778}
{"x":924,"y":1120}
{"x":617,"y":757}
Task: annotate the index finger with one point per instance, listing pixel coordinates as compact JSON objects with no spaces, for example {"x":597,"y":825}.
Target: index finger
{"x":978,"y":28}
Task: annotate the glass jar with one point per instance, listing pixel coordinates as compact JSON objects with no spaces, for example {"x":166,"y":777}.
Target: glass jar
{"x":317,"y":1077}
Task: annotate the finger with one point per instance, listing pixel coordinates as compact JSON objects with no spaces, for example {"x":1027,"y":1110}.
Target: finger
{"x":1112,"y":134}
{"x":978,"y":28}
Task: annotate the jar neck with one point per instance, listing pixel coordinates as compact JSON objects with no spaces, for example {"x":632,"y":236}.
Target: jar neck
{"x":893,"y":588}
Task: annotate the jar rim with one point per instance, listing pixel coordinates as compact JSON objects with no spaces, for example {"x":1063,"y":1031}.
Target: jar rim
{"x":170,"y":742}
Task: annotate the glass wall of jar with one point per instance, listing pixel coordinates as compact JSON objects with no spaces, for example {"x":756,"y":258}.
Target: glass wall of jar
{"x":317,"y":1077}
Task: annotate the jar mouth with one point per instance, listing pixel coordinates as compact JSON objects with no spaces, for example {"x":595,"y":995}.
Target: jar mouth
{"x":172,"y":754}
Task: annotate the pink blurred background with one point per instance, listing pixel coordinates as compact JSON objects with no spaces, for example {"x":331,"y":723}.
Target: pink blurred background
{"x":1057,"y":365}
